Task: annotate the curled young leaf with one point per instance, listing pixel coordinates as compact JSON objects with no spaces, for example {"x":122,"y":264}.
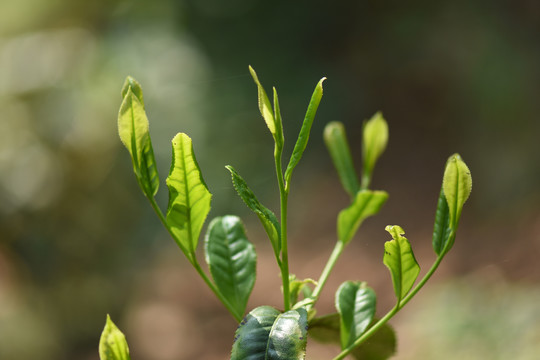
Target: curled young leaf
{"x":189,"y":198}
{"x":338,"y":147}
{"x":457,"y":186}
{"x":399,"y":258}
{"x":443,"y":237}
{"x":265,"y":107}
{"x":303,"y":136}
{"x":267,"y":334}
{"x":267,"y":217}
{"x":365,"y":204}
{"x":113,"y":344}
{"x":232,"y":261}
{"x":375,"y":138}
{"x":133,"y":129}
{"x":355,"y":303}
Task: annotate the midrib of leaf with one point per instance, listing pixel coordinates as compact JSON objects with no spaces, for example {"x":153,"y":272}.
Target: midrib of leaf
{"x":188,"y":202}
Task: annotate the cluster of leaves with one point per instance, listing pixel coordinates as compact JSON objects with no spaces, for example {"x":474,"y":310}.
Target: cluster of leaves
{"x":266,"y":332}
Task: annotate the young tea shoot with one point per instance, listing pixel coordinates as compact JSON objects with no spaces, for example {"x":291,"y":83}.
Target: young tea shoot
{"x":265,"y":332}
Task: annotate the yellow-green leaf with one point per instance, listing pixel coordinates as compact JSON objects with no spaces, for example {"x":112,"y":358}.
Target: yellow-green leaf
{"x":399,"y":258}
{"x":189,"y":198}
{"x":457,"y":186}
{"x":113,"y":344}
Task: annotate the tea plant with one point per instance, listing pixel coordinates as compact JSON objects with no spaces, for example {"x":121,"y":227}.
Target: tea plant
{"x":266,"y":332}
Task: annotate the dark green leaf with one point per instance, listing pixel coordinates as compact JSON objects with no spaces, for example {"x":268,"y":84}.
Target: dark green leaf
{"x":189,"y":198}
{"x":113,"y":345}
{"x":380,"y":346}
{"x":232,"y":261}
{"x":365,"y":204}
{"x":267,"y":334}
{"x":355,"y":303}
{"x":267,"y":217}
{"x":457,"y":186}
{"x":338,"y":147}
{"x":442,"y":233}
{"x":134,"y":133}
{"x":303,"y":137}
{"x":399,"y":258}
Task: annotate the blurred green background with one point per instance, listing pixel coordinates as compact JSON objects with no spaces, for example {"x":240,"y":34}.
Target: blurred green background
{"x":78,"y":240}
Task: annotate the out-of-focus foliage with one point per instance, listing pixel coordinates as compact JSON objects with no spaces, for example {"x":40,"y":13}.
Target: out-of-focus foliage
{"x":444,"y":73}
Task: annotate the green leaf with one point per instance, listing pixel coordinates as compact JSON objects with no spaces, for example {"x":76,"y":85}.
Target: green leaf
{"x":303,"y":137}
{"x":380,"y":346}
{"x":113,"y":345}
{"x":399,"y":258}
{"x":265,"y":106}
{"x":338,"y":147}
{"x":189,"y":198}
{"x":355,"y":303}
{"x":232,"y":261}
{"x":375,"y":138}
{"x":133,"y":129}
{"x":267,"y":334}
{"x":457,"y":186}
{"x":365,"y":204}
{"x":443,"y":237}
{"x":267,"y":217}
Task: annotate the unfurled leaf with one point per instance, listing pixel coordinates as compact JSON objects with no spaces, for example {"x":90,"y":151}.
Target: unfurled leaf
{"x":338,"y":147}
{"x":265,"y":106}
{"x":399,"y":258}
{"x":267,"y":334}
{"x":134,"y":133}
{"x":355,"y":303}
{"x":232,"y":261}
{"x":113,"y":345}
{"x":365,"y":204}
{"x":375,"y":138}
{"x":443,"y":237}
{"x":189,"y":198}
{"x":303,"y":137}
{"x":267,"y":217}
{"x":380,"y":346}
{"x":457,"y":186}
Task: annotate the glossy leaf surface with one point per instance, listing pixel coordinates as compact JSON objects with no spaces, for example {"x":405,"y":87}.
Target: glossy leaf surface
{"x":267,"y":334}
{"x":443,"y":237}
{"x":375,"y":138}
{"x":399,"y":258}
{"x":267,"y":217}
{"x":303,"y":137}
{"x":365,"y":204}
{"x":457,"y":186}
{"x":232,"y":261}
{"x":338,"y":147}
{"x":133,"y":129}
{"x":113,"y":344}
{"x":355,"y":303}
{"x":189,"y":198}
{"x":380,"y":346}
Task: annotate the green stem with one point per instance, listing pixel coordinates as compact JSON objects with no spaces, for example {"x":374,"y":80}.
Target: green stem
{"x":193,"y":261}
{"x":338,"y":249}
{"x":283,"y":199}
